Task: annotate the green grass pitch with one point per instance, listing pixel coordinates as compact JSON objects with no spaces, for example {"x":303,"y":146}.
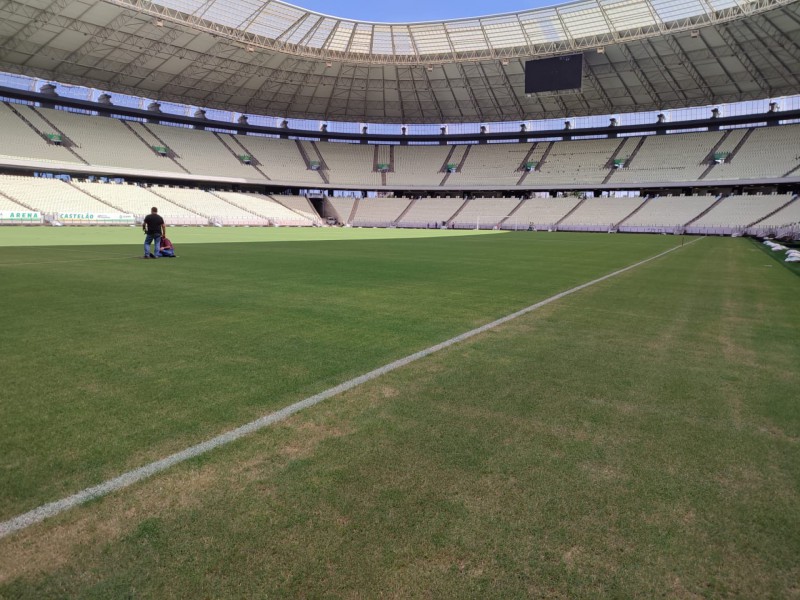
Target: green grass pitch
{"x":639,"y":438}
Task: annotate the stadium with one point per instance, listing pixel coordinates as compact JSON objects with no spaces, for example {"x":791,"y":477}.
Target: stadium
{"x":495,"y":306}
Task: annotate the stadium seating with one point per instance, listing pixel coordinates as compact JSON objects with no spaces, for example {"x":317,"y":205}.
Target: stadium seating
{"x":418,"y":165}
{"x":678,"y":157}
{"x":19,"y":141}
{"x":581,"y":161}
{"x":208,"y":205}
{"x":138,"y":201}
{"x":737,"y":212}
{"x":341,"y":207}
{"x":202,"y":153}
{"x":279,"y":159}
{"x":430,"y":212}
{"x":50,"y":196}
{"x":266,"y":209}
{"x":541,"y":213}
{"x":350,"y":164}
{"x":789,"y":215}
{"x":767,"y":152}
{"x":484,"y":213}
{"x":600,"y":214}
{"x":668,"y":212}
{"x":108,"y":142}
{"x":379,"y":212}
{"x":496,"y":163}
{"x":299,"y":205}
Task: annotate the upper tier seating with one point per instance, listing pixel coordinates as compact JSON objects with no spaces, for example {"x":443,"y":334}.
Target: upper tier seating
{"x":429,"y":212}
{"x":741,"y":211}
{"x":137,"y":201}
{"x":484,"y":213}
{"x":202,"y":153}
{"x":418,"y":165}
{"x":676,"y":157}
{"x":495,"y":163}
{"x":670,"y":211}
{"x":580,"y":161}
{"x":266,"y":209}
{"x":379,"y":212}
{"x":18,"y":140}
{"x":108,"y":142}
{"x":350,"y":164}
{"x":50,"y":196}
{"x":601,"y":212}
{"x":768,"y":152}
{"x":542,"y":212}
{"x":279,"y":159}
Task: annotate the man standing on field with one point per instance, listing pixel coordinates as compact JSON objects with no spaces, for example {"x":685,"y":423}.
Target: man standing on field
{"x":153,"y":227}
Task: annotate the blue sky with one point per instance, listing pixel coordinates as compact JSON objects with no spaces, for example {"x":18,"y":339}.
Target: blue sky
{"x":417,"y":10}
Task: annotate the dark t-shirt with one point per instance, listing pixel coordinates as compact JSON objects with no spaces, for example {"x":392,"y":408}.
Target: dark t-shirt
{"x":153,"y":223}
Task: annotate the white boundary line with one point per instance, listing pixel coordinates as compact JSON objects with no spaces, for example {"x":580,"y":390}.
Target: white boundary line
{"x":53,"y":508}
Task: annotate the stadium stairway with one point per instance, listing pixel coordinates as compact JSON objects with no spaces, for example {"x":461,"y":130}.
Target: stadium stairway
{"x":633,"y":212}
{"x":706,"y":211}
{"x":780,"y":208}
{"x":405,"y":211}
{"x":455,"y":214}
{"x":170,"y":153}
{"x":176,"y":203}
{"x":307,"y":159}
{"x":253,"y":160}
{"x":574,"y":208}
{"x":17,"y":201}
{"x":100,"y":200}
{"x":511,"y":214}
{"x":236,"y":204}
{"x":544,"y":156}
{"x":353,"y":212}
{"x":66,"y":142}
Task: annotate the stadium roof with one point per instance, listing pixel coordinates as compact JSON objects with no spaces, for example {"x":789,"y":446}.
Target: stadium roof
{"x":270,"y":57}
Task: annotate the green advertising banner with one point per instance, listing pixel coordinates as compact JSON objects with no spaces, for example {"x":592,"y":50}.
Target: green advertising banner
{"x":20,"y":216}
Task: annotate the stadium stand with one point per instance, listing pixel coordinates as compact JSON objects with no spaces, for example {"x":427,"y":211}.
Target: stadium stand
{"x":266,"y":209}
{"x":767,"y":152}
{"x":279,"y":159}
{"x":202,"y":152}
{"x":20,"y":140}
{"x":379,"y":212}
{"x":50,"y":196}
{"x":419,"y":165}
{"x":137,"y":200}
{"x":208,"y":205}
{"x":107,"y":142}
{"x":580,"y":161}
{"x":484,"y":213}
{"x":430,"y":212}
{"x":498,"y":163}
{"x":299,"y":205}
{"x":350,"y":164}
{"x":541,"y":213}
{"x":787,"y":215}
{"x":664,"y":158}
{"x":341,"y":208}
{"x":600,"y":214}
{"x":668,"y":212}
{"x":738,"y":212}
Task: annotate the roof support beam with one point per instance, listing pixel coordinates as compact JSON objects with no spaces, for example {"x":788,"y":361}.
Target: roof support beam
{"x":737,"y":51}
{"x":708,"y":95}
{"x":637,"y":71}
{"x":39,"y":19}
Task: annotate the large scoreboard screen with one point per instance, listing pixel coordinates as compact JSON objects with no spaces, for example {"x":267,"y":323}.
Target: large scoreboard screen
{"x":555,"y":74}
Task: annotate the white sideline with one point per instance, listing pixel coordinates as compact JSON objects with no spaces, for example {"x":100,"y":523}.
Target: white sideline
{"x":53,"y":508}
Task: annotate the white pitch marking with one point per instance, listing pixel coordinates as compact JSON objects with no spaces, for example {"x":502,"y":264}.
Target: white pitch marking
{"x":53,"y":508}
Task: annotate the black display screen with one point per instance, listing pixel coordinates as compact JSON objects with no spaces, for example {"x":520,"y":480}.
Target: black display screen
{"x":554,"y":74}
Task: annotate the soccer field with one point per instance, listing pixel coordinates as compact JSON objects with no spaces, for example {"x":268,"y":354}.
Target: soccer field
{"x":636,"y":438}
